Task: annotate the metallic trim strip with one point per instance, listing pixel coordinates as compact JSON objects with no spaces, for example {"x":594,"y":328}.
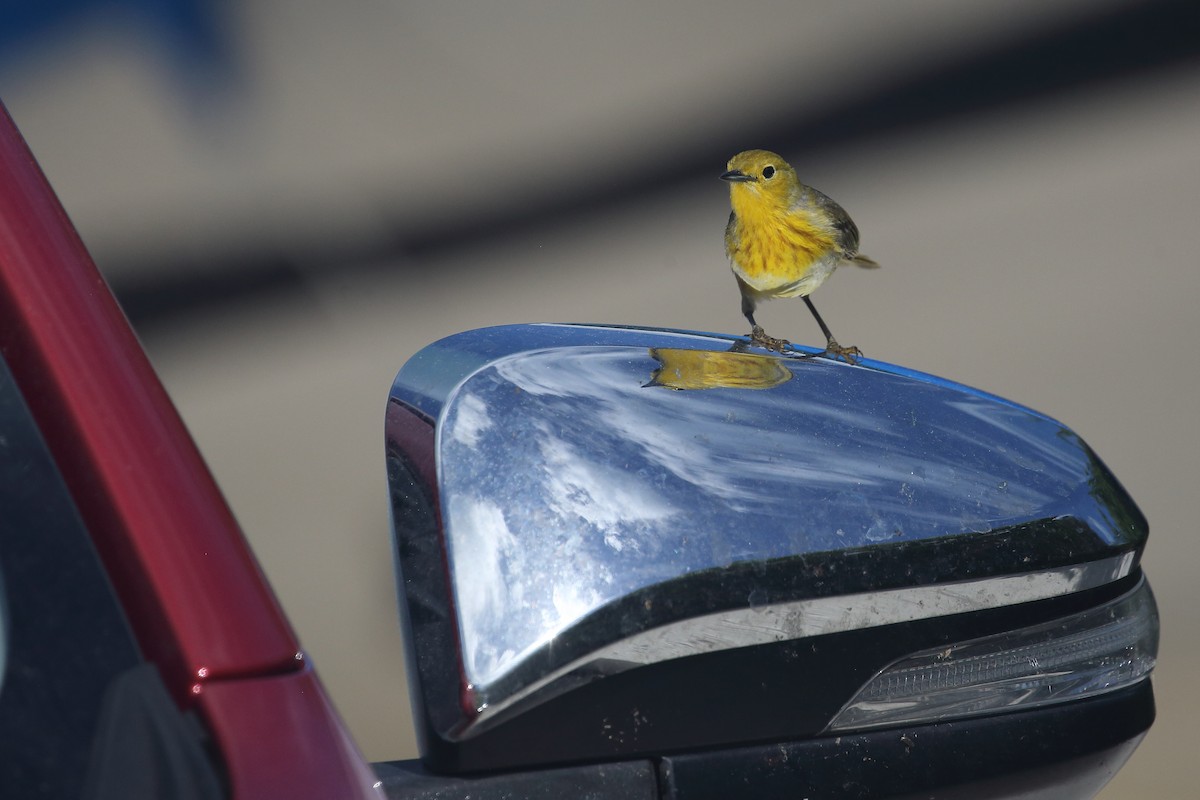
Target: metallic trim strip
{"x":800,"y":619}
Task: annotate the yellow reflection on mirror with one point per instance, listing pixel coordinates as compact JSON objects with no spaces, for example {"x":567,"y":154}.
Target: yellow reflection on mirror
{"x":716,"y":369}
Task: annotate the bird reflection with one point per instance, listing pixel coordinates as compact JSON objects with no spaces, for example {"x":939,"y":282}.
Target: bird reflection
{"x":714,"y":369}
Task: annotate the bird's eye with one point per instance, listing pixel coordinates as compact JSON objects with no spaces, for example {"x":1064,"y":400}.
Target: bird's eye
{"x":768,"y":172}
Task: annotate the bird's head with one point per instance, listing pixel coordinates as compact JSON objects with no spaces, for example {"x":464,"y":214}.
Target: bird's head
{"x":760,"y":175}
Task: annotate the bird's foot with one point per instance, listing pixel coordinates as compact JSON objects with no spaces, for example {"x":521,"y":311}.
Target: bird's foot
{"x":851,"y":354}
{"x":759,"y":337}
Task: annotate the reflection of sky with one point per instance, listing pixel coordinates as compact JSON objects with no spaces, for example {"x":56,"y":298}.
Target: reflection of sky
{"x":567,"y":482}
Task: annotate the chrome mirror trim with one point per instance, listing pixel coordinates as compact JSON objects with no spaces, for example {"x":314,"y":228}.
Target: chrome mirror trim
{"x":608,"y":497}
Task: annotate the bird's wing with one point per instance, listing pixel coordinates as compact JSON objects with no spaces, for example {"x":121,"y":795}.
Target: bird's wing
{"x":844,"y":229}
{"x":731,"y":233}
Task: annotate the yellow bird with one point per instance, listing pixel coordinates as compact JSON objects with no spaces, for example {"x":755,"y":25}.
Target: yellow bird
{"x":784,"y":239}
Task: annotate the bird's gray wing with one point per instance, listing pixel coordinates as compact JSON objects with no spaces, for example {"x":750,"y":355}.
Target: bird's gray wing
{"x":844,"y":229}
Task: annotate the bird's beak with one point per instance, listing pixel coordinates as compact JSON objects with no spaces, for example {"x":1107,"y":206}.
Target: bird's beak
{"x":736,"y":176}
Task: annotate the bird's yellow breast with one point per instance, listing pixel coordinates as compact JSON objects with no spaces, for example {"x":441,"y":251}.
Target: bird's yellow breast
{"x":778,"y":252}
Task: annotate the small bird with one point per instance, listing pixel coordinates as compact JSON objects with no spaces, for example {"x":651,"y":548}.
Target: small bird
{"x":784,"y":239}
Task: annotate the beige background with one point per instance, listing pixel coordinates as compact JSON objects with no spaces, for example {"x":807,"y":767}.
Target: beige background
{"x":1045,"y":251}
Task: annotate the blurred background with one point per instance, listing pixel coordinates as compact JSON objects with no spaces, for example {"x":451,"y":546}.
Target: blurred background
{"x":290,"y":198}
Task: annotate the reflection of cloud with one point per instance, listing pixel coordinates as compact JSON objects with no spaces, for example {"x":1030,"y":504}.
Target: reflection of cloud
{"x":573,"y":600}
{"x":1032,"y":448}
{"x":470,"y":420}
{"x":482,"y":536}
{"x":739,"y":454}
{"x":541,"y":373}
{"x":885,"y":455}
{"x":602,"y":495}
{"x":570,"y":483}
{"x":1025,"y":449}
{"x":733,"y":459}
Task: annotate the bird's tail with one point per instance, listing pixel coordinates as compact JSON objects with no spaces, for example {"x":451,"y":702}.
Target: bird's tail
{"x":863,"y":261}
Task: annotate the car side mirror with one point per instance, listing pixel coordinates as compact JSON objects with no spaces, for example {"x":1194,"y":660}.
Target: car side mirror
{"x":617,"y":543}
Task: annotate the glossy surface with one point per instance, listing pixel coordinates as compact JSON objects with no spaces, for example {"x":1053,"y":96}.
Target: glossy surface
{"x":192,"y":589}
{"x":281,"y":737}
{"x":194,"y":595}
{"x":581,"y":466}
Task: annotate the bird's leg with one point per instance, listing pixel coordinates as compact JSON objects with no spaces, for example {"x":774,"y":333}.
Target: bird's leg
{"x":757,"y":335}
{"x":851,"y":353}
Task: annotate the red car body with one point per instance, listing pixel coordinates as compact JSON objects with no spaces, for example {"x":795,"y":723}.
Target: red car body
{"x":199,"y":605}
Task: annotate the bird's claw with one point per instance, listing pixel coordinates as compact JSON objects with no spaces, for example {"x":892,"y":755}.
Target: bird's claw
{"x":759,"y":337}
{"x":851,"y":354}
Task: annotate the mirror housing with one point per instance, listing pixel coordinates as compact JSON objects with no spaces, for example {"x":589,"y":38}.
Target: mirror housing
{"x":618,"y":542}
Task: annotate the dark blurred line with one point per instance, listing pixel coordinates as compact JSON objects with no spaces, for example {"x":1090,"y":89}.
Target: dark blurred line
{"x":159,"y":299}
{"x":1130,"y":41}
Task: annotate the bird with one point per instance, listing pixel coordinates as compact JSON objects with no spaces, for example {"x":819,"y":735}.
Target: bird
{"x":784,"y":239}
